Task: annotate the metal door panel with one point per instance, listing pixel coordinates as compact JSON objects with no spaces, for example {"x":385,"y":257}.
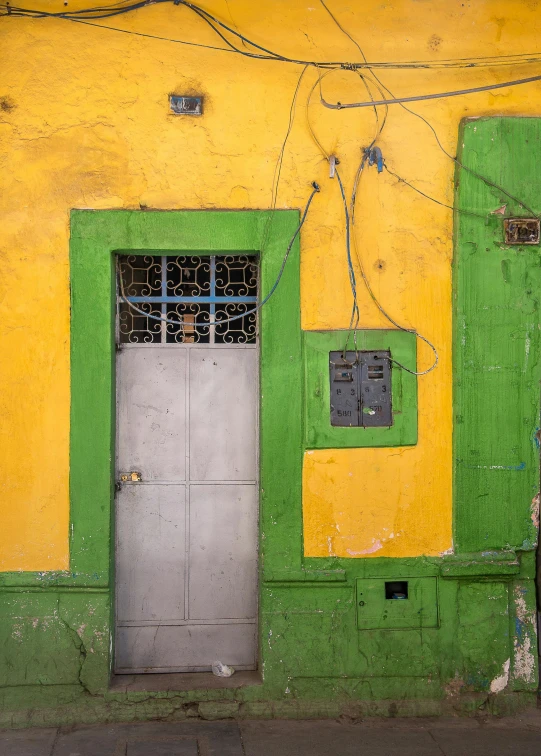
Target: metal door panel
{"x":150,"y":552}
{"x":223,"y":552}
{"x":223,"y":410}
{"x":187,"y":402}
{"x":152,"y":412}
{"x":185,"y":648}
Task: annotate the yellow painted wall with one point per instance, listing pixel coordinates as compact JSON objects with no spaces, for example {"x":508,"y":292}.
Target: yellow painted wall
{"x":84,"y":123}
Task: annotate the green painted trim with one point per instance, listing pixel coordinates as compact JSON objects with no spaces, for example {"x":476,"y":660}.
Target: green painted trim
{"x":475,"y":565}
{"x":319,"y":433}
{"x":501,"y":563}
{"x":64,"y":579}
{"x":71,"y":590}
{"x":306,"y":576}
{"x":496,"y":340}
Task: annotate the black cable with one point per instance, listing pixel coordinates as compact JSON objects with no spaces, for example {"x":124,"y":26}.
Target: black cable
{"x":342,"y":29}
{"x":90,"y":13}
{"x":148,"y":36}
{"x":435,"y":96}
{"x":355,"y":314}
{"x":389,"y":317}
{"x":370,"y":146}
{"x":432,"y":199}
{"x":103,"y":12}
{"x":115,"y":10}
{"x":278,"y":167}
{"x":205,"y":14}
{"x":365,"y":157}
{"x":210,"y":21}
{"x":379,"y":128}
{"x":479,"y":176}
{"x":487,"y":181}
{"x":315,"y":190}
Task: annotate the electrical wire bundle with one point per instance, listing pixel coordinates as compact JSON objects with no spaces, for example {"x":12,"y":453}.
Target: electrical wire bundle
{"x":225,"y":32}
{"x":231,"y":39}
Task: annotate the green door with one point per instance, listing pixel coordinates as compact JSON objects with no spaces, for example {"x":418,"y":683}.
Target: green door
{"x":497,"y":371}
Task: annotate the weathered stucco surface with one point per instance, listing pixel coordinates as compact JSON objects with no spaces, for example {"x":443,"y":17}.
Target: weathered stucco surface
{"x":85,"y":123}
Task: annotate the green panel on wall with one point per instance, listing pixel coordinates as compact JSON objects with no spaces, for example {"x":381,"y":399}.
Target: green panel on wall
{"x":319,"y":433}
{"x":400,"y":653}
{"x":497,"y":340}
{"x":377,"y":607}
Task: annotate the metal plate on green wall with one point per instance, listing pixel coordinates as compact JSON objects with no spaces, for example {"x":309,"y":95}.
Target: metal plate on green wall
{"x":376,"y":609}
{"x":319,"y":433}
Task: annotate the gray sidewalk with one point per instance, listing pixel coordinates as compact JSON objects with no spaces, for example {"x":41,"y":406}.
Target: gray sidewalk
{"x":517,"y":736}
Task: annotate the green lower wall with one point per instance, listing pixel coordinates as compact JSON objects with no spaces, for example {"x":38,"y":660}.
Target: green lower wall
{"x":315,"y":662}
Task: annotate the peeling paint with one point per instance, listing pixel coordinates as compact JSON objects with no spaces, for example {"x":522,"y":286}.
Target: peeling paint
{"x":525,"y":652}
{"x":454,"y":686}
{"x":500,"y":683}
{"x":534,"y":511}
{"x":521,"y":466}
{"x":376,"y":547}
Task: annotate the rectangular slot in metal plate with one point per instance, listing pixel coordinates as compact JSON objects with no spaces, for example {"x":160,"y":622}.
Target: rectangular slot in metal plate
{"x":344,"y":376}
{"x":375,"y":389}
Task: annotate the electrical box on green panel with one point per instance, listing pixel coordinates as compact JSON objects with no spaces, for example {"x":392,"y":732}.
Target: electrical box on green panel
{"x":397,"y":604}
{"x":360,"y":397}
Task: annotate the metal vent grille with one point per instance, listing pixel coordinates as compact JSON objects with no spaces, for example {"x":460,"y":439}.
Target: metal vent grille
{"x":187,"y":299}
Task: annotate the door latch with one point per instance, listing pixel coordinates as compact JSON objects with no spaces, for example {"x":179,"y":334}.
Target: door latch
{"x":131,"y":477}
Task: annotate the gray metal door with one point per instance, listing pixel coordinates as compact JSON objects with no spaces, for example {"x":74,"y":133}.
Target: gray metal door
{"x":187,"y":499}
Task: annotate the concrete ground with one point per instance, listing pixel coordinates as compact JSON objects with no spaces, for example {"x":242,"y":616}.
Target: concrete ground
{"x":516,"y":736}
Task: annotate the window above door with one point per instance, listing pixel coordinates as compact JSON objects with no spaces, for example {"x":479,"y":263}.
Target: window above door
{"x":187,"y":299}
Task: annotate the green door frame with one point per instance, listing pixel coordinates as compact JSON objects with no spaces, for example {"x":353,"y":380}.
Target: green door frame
{"x":96,"y":237}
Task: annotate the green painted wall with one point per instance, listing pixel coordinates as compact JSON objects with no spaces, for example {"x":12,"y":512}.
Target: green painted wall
{"x":319,"y":655}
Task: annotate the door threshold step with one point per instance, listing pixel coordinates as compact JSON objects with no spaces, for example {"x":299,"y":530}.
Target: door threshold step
{"x":181,"y":681}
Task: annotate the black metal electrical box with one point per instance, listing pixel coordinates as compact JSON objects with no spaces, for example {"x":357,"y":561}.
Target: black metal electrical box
{"x":360,"y":389}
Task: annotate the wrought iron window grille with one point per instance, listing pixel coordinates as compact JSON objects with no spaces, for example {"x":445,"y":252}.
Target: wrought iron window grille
{"x":193,"y":290}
